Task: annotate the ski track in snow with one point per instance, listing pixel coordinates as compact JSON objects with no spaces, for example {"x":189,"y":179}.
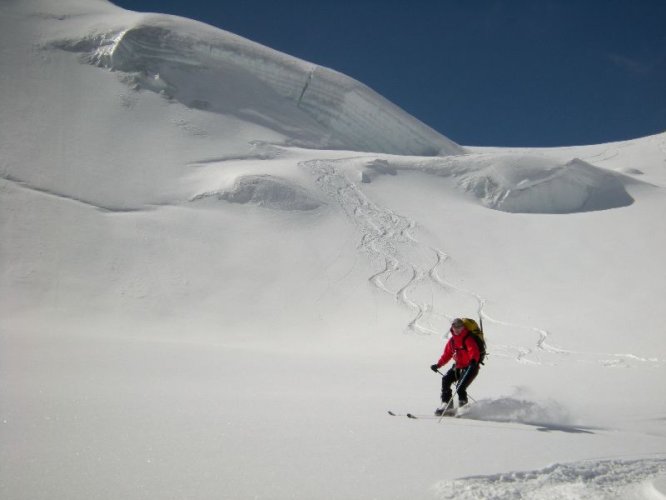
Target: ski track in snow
{"x":608,"y":479}
{"x":407,"y":269}
{"x":388,"y":239}
{"x":391,"y":243}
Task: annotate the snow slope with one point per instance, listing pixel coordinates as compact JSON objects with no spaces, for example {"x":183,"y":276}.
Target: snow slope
{"x":220,"y":266}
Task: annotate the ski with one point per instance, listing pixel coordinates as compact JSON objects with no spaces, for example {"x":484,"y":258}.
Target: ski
{"x":408,"y":415}
{"x":419,"y":416}
{"x":394,"y":414}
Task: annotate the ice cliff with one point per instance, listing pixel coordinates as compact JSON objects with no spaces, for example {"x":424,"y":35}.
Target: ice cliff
{"x":213,"y":70}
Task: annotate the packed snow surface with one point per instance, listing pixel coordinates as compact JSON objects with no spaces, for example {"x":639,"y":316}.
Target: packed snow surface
{"x":220,"y":267}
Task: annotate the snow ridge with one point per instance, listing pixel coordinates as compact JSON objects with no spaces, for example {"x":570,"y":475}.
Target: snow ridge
{"x":62,"y":196}
{"x":161,"y":53}
{"x":522,"y":183}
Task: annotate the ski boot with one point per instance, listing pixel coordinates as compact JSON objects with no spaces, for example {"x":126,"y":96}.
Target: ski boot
{"x":445,"y":411}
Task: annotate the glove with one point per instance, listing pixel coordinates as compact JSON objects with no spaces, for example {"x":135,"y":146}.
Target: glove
{"x":434,"y":368}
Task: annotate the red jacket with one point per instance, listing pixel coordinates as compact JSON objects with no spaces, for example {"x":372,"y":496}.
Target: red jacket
{"x":462,"y":349}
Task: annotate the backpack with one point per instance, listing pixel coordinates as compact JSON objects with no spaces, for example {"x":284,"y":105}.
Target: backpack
{"x":477,"y":334}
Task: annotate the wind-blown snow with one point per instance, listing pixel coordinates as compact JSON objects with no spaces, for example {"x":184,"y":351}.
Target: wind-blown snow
{"x":220,"y":266}
{"x":548,"y":414}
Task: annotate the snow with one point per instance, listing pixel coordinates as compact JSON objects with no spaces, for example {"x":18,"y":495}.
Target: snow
{"x":265,"y":191}
{"x":520,"y":183}
{"x":598,"y":479}
{"x":187,"y":62}
{"x":220,"y":266}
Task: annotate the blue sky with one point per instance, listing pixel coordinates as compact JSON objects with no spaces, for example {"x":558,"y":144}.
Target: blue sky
{"x":482,"y":72}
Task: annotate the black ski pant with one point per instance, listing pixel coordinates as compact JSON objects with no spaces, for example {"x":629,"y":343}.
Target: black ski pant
{"x":454,"y":376}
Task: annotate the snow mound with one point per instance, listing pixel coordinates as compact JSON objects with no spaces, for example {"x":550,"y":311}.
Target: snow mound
{"x":610,"y":479}
{"x":266,"y":191}
{"x":210,"y":69}
{"x":376,"y":168}
{"x":520,"y":183}
{"x":528,"y":184}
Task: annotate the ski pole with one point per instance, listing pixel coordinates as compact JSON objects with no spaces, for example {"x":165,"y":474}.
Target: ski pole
{"x":459,"y":384}
{"x":463,"y":378}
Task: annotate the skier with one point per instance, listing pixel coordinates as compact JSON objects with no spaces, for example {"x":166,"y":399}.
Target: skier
{"x":465,"y":352}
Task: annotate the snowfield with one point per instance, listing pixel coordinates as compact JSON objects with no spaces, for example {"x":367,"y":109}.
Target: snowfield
{"x":221,"y":267}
